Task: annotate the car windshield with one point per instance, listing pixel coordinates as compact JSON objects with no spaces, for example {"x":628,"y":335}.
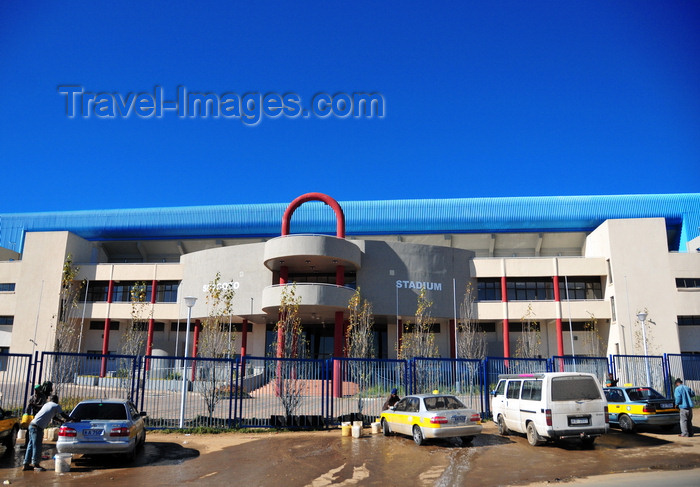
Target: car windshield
{"x":643,"y":393}
{"x":100,"y":410}
{"x":574,"y":388}
{"x":442,"y":402}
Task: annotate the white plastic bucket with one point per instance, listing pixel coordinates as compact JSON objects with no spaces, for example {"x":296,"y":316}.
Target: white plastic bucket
{"x":376,"y":428}
{"x":356,"y":431}
{"x":21,"y":434}
{"x":62,"y":462}
{"x":357,"y":423}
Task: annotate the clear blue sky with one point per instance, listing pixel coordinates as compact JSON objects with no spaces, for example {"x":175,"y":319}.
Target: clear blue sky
{"x":506,"y":98}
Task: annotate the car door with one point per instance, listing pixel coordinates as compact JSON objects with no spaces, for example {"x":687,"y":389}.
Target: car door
{"x":397,"y":419}
{"x":512,"y":406}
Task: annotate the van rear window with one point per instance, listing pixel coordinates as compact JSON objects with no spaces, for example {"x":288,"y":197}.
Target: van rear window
{"x":574,"y":389}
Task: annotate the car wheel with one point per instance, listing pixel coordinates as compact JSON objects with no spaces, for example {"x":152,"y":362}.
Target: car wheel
{"x":532,"y":436}
{"x":502,"y":428}
{"x":418,"y":435}
{"x":11,"y":440}
{"x":626,"y":424}
{"x":467,"y":440}
{"x":385,"y":428}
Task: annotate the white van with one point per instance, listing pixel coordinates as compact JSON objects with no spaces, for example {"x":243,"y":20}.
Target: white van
{"x":551,"y":406}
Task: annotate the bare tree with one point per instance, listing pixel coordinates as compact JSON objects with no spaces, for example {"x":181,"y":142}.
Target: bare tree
{"x":471,"y":342}
{"x":289,"y":344}
{"x":592,"y":341}
{"x":133,"y":343}
{"x":530,"y":339}
{"x":215,"y":341}
{"x":418,"y":341}
{"x":67,"y":333}
{"x":360,"y":343}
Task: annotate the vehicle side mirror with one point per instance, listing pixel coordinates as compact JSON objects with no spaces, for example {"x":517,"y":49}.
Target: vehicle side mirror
{"x":391,"y":408}
{"x":493,"y":392}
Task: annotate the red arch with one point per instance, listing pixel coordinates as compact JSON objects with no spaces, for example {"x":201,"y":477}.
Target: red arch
{"x":339,"y":216}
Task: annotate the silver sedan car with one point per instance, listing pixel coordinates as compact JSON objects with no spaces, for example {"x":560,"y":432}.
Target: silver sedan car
{"x":110,"y":426}
{"x":432,"y":416}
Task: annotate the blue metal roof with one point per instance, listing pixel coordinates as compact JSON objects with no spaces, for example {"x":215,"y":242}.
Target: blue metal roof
{"x":455,"y":215}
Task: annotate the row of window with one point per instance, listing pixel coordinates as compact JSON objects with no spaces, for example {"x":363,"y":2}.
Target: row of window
{"x":687,"y":282}
{"x":539,"y":288}
{"x":7,"y":287}
{"x":160,"y":326}
{"x":97,"y":291}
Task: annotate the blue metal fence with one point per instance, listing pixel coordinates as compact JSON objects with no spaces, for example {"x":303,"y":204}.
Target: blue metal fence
{"x":271,"y":392}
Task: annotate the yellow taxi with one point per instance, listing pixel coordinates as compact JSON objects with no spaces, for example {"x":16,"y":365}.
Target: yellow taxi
{"x":425,"y":416}
{"x":630,"y":406}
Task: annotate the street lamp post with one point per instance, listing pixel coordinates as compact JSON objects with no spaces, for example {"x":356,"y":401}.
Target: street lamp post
{"x":189,"y":302}
{"x":642,"y":316}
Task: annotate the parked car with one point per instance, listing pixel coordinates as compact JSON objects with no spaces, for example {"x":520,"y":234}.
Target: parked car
{"x":425,"y":416}
{"x":112,"y":426}
{"x":550,"y":406}
{"x":632,"y":406}
{"x":9,"y":427}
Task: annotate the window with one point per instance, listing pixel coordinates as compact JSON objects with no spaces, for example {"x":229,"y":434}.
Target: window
{"x":532,"y":390}
{"x":7,"y":287}
{"x":612,"y":308}
{"x":689,"y":321}
{"x":581,"y":288}
{"x":574,"y":389}
{"x":486,"y":326}
{"x":530,"y":289}
{"x":410,"y":327}
{"x":513,"y":389}
{"x":95,"y":292}
{"x":100,"y":325}
{"x":4,"y":351}
{"x":681,"y":282}
{"x":614,"y":395}
{"x":121,"y":292}
{"x":489,"y":289}
{"x":7,"y":320}
{"x":167,"y":292}
{"x":323,"y":278}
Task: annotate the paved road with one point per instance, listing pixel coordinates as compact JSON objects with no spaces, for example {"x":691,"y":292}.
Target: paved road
{"x":324,"y":458}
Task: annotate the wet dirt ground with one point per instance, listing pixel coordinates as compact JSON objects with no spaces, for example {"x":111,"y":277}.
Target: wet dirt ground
{"x":325,"y":458}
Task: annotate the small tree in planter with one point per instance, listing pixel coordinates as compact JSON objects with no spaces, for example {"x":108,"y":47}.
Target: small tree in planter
{"x":471,"y":340}
{"x":67,"y":334}
{"x":529,"y":342}
{"x":418,"y":340}
{"x":360,"y":343}
{"x":133,"y":342}
{"x":289,"y":344}
{"x":215,"y":342}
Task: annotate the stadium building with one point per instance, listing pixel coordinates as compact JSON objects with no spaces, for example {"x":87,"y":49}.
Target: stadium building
{"x":581,"y":268}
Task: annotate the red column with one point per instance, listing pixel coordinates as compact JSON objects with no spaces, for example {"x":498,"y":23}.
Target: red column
{"x":557,"y":299}
{"x":244,"y":344}
{"x":151,"y":323}
{"x":506,"y":327}
{"x":197,"y":326}
{"x":105,"y":335}
{"x":284,"y":274}
{"x":453,"y":344}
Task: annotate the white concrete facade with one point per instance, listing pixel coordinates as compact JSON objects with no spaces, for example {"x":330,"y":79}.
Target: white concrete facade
{"x":629,"y":257}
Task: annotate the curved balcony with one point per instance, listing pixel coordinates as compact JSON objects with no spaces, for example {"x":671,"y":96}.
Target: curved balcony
{"x":321,"y":297}
{"x":323,"y":252}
